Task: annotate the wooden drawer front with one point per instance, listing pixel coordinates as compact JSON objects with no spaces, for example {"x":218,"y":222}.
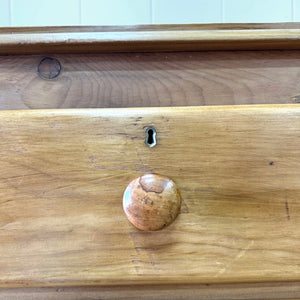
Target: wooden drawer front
{"x":152,"y":79}
{"x":63,"y":174}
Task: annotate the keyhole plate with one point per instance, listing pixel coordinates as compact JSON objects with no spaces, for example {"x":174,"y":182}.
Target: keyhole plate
{"x":151,"y":139}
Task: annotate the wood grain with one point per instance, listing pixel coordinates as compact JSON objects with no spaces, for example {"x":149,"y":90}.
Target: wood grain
{"x":149,"y":38}
{"x":63,"y":174}
{"x":151,"y":27}
{"x":152,"y":79}
{"x":120,"y":80}
{"x":262,"y":291}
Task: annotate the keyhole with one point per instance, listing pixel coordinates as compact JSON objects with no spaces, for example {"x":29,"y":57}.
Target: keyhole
{"x":150,"y":140}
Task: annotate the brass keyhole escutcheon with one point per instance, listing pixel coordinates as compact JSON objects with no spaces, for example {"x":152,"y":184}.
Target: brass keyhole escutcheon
{"x":151,"y":137}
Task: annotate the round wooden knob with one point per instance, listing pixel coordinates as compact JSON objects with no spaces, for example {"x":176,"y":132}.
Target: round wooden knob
{"x":151,"y":202}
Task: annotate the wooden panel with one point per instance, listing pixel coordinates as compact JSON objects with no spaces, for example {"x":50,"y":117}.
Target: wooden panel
{"x":63,"y":174}
{"x":152,"y":79}
{"x":151,"y":27}
{"x":262,"y":291}
{"x":149,"y":38}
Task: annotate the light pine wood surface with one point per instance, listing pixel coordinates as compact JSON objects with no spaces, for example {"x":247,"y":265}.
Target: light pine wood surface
{"x":63,"y":174}
{"x":254,"y":291}
{"x":183,"y":37}
{"x":152,"y":79}
{"x":141,"y":80}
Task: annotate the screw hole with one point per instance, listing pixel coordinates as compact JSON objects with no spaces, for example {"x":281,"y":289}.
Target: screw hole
{"x":150,"y":140}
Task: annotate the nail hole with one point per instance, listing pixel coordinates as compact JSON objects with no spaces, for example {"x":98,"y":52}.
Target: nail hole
{"x":150,"y":140}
